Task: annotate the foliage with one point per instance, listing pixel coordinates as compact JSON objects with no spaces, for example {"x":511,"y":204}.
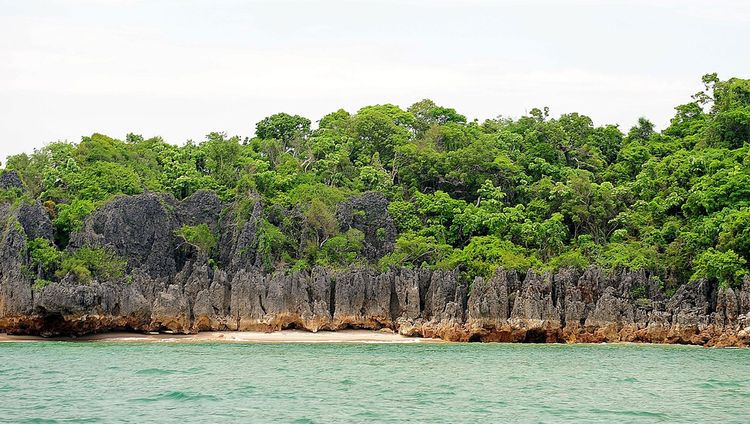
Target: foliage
{"x":271,"y":245}
{"x":571,"y":259}
{"x":404,"y":214}
{"x":282,"y":126}
{"x":638,"y":292}
{"x":44,"y":256}
{"x":413,"y":250}
{"x":40,"y":283}
{"x":89,"y":263}
{"x":629,"y":255}
{"x":103,"y":179}
{"x":342,"y":250}
{"x":85,"y":263}
{"x":486,"y":253}
{"x":725,"y":267}
{"x":70,"y":218}
{"x":199,"y":236}
{"x":11,"y":195}
{"x":534,"y":192}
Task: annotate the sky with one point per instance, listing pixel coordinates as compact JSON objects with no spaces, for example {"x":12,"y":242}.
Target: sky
{"x":183,"y":68}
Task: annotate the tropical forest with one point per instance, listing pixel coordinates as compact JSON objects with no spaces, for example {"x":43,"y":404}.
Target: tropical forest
{"x":539,"y":192}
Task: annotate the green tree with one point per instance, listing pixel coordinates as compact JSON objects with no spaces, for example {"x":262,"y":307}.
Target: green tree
{"x":725,"y":267}
{"x":288,"y":129}
{"x":413,"y":251}
{"x":381,"y":129}
{"x":534,"y":192}
{"x":483,"y":255}
{"x":103,"y":179}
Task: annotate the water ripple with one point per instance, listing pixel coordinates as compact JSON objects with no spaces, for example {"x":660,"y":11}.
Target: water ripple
{"x":178,"y":396}
{"x":446,"y":383}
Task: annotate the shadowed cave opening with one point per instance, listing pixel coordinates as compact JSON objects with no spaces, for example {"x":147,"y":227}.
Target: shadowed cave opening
{"x":535,"y":336}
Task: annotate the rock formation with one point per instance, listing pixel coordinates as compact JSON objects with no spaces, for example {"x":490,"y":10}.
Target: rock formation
{"x":169,"y":287}
{"x":10,"y":180}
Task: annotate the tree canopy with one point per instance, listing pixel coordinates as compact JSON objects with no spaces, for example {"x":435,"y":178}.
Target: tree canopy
{"x":533,"y":192}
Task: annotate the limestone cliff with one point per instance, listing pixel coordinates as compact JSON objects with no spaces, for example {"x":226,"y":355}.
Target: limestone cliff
{"x":171,"y":287}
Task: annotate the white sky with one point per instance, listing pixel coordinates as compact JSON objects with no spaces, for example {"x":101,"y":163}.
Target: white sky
{"x":183,"y":68}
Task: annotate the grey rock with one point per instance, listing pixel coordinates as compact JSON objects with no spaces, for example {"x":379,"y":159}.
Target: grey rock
{"x":611,"y":309}
{"x":369,"y":214}
{"x":248,"y":296}
{"x":406,"y":288}
{"x":202,"y":207}
{"x":35,"y":221}
{"x":239,"y":243}
{"x":9,"y":180}
{"x":169,"y":287}
{"x":488,"y":303}
{"x":446,"y":297}
{"x":535,"y":301}
{"x":171,"y":311}
{"x":140,"y":228}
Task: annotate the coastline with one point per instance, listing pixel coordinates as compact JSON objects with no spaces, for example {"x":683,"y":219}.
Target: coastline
{"x":282,"y":336}
{"x":349,"y":336}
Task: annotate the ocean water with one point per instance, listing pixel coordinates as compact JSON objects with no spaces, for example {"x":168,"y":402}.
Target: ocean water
{"x":44,"y":382}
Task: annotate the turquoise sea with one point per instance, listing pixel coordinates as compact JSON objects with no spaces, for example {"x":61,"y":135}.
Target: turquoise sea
{"x":352,"y":383}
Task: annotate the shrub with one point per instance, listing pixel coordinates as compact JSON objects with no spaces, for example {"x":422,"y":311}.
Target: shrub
{"x":638,"y":292}
{"x":629,"y":255}
{"x":571,"y":259}
{"x":92,"y":262}
{"x":199,"y":236}
{"x":40,"y":283}
{"x":44,"y":255}
{"x":11,"y":195}
{"x":486,"y":253}
{"x":101,"y":180}
{"x":343,"y":249}
{"x":271,"y":243}
{"x":70,"y":218}
{"x":404,"y":215}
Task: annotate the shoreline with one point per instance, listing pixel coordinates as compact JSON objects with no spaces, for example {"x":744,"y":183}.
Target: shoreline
{"x":349,"y":336}
{"x":282,"y":336}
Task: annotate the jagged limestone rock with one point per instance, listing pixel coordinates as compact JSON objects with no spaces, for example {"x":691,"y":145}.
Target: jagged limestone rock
{"x":11,"y":180}
{"x":168,"y":288}
{"x":369,"y":213}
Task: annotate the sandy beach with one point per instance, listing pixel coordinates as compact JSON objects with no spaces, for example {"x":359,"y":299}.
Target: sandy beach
{"x":284,"y":336}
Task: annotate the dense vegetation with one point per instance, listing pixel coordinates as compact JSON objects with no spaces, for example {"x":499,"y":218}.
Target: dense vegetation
{"x":533,"y":192}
